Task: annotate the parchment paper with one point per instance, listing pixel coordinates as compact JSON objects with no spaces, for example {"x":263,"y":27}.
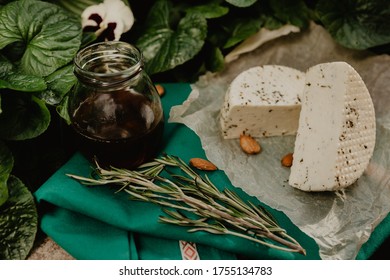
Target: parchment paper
{"x":339,"y":224}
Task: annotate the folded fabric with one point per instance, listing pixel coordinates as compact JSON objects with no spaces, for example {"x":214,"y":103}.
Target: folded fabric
{"x":95,"y":222}
{"x":98,"y":223}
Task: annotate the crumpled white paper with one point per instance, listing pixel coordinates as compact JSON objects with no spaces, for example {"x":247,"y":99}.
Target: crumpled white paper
{"x":339,"y":225}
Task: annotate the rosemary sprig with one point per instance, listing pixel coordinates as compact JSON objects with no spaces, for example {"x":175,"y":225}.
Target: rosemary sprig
{"x":194,"y":201}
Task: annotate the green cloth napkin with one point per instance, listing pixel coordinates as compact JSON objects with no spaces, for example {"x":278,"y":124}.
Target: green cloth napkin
{"x":97,"y":223}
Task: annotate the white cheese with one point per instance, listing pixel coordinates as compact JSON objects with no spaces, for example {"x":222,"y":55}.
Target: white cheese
{"x":336,"y":134}
{"x":263,"y":101}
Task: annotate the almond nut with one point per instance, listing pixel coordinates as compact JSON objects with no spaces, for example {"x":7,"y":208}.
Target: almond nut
{"x":287,"y":160}
{"x":249,"y":144}
{"x":202,"y":164}
{"x":160,"y":89}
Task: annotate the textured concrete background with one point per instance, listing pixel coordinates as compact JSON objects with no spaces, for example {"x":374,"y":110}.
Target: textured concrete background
{"x":47,"y":249}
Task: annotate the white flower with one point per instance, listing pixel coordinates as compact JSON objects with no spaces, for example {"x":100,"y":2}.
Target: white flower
{"x":109,"y":19}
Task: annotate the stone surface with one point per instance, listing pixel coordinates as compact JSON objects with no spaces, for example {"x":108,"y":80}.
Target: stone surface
{"x":47,"y":249}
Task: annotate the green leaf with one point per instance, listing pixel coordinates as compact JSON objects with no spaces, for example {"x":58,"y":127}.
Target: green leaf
{"x":24,"y":116}
{"x":18,"y":81}
{"x":18,"y":222}
{"x":88,"y":38}
{"x":58,"y":85}
{"x":215,"y":60}
{"x":157,"y":30}
{"x":356,"y":24}
{"x":164,"y":48}
{"x":242,"y":29}
{"x":5,"y":65}
{"x":153,"y":41}
{"x":271,"y":23}
{"x":50,"y":34}
{"x":62,"y":109}
{"x":241,"y":3}
{"x":78,"y":6}
{"x":6,"y":165}
{"x":294,"y":12}
{"x":21,"y":82}
{"x":209,"y":10}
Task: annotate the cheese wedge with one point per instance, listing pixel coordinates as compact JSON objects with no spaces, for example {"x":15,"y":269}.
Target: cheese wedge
{"x":263,"y":101}
{"x":336,"y":133}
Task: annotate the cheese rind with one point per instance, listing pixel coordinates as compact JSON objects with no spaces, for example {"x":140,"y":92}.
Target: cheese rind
{"x":336,"y":133}
{"x":263,"y":101}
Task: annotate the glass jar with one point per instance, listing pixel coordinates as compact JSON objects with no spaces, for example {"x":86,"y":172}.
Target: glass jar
{"x":114,"y":108}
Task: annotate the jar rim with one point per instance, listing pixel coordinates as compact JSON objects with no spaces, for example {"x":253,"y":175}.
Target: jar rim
{"x":109,"y":50}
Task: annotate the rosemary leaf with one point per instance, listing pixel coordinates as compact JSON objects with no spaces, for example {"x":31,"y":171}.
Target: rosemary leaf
{"x":208,"y":208}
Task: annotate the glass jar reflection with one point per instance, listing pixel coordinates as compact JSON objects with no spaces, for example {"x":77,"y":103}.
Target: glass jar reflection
{"x":115,"y":109}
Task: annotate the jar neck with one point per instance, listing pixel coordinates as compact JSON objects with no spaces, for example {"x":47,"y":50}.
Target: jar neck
{"x":108,"y":64}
